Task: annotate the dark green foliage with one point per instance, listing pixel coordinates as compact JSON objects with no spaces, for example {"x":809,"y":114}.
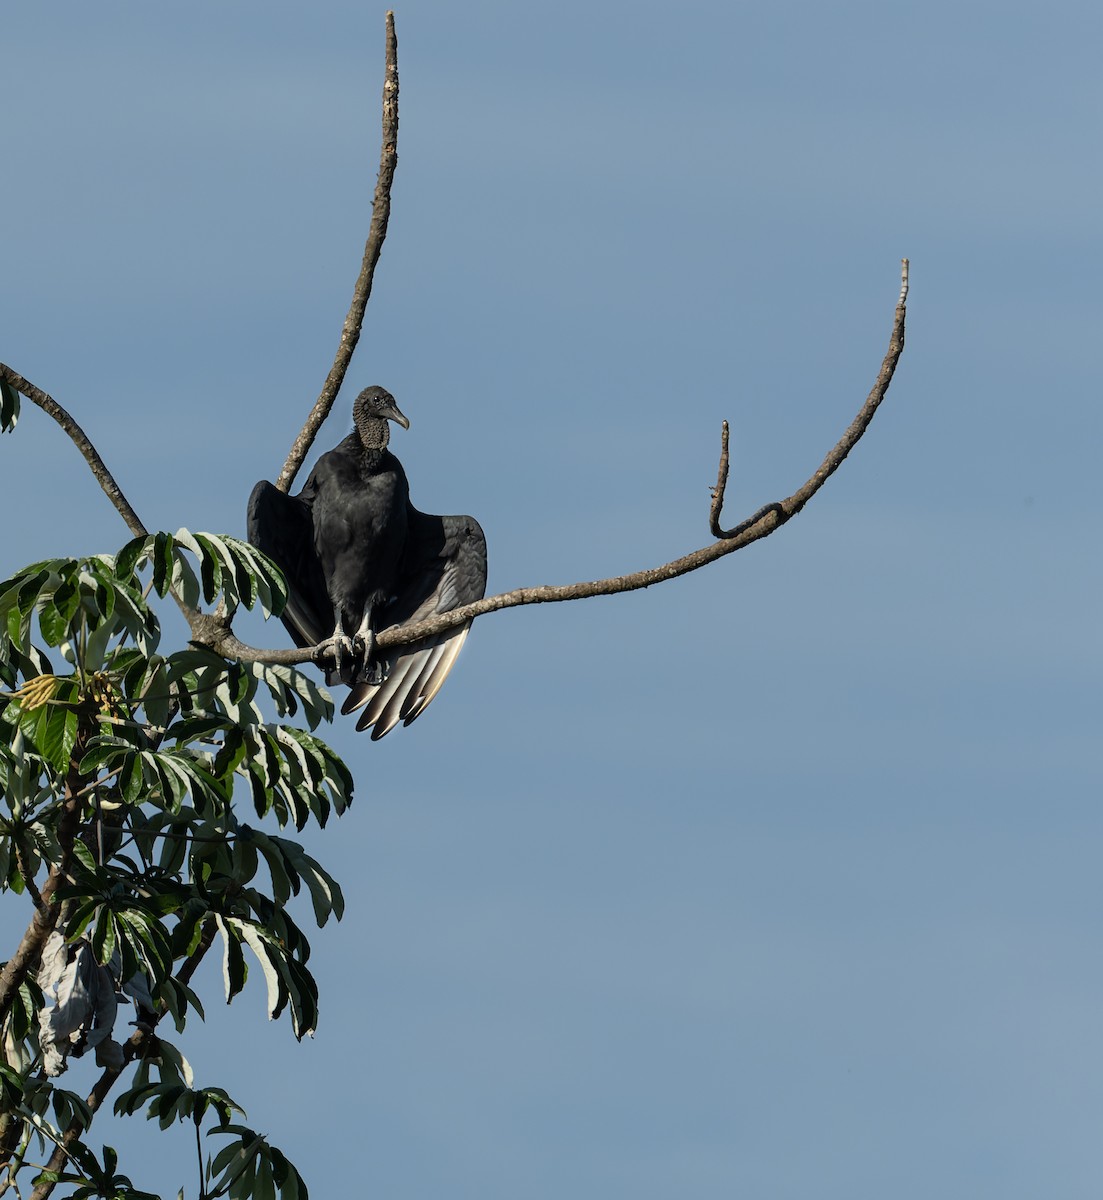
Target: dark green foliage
{"x":123,"y":769}
{"x":93,"y":1180}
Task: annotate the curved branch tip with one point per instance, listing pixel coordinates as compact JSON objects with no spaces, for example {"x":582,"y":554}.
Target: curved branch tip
{"x":721,"y":484}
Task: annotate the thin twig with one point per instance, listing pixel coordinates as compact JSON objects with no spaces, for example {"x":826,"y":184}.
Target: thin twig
{"x":721,"y":483}
{"x":377,"y":231}
{"x":103,"y":476}
{"x":26,"y":876}
{"x":199,"y":1155}
{"x":80,"y":439}
{"x":197,"y":839}
{"x":755,"y":527}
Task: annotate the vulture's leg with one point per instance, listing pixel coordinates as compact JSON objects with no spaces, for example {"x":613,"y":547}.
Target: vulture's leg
{"x":364,"y":647}
{"x":343,"y":647}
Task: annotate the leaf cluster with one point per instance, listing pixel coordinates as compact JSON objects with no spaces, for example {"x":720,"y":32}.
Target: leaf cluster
{"x":125,"y":772}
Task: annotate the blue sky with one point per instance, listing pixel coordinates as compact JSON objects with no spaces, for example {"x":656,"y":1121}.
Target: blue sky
{"x":780,"y":880}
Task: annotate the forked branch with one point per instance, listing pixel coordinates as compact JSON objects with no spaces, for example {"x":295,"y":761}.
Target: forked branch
{"x":214,"y":630}
{"x":758,"y":525}
{"x":790,"y":507}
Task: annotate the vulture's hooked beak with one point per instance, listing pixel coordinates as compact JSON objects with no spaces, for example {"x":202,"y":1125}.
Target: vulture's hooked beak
{"x":393,"y":413}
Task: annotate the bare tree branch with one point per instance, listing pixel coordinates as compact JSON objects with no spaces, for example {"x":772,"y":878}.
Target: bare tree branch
{"x":215,"y":631}
{"x":81,"y":440}
{"x":350,"y":334}
{"x":790,"y":507}
{"x":377,"y":231}
{"x":721,"y":483}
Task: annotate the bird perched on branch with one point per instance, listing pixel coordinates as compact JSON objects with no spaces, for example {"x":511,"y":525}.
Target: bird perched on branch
{"x":359,"y":558}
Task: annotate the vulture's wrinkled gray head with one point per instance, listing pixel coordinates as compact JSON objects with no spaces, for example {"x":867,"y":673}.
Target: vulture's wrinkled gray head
{"x":373,"y":405}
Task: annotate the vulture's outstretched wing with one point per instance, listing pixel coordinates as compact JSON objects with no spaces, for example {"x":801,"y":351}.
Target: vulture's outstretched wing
{"x":444,"y":567}
{"x":282,"y":527}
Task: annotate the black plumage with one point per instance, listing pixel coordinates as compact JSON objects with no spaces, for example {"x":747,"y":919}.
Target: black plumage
{"x":359,"y":558}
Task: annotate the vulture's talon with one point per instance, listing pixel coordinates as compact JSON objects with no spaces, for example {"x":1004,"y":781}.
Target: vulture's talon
{"x":343,"y":650}
{"x":372,"y":673}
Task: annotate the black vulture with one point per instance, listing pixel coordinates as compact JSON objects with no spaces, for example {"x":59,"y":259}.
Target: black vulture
{"x":359,"y":558}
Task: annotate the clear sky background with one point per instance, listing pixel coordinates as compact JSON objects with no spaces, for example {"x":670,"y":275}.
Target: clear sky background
{"x":781,"y":880}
